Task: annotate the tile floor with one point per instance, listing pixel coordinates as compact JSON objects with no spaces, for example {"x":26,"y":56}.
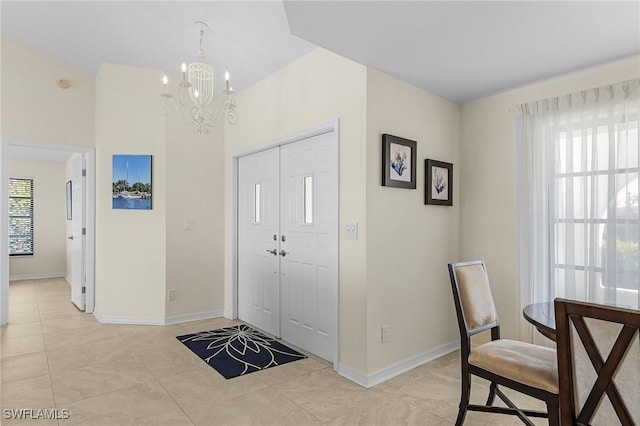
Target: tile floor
{"x":54,"y":356}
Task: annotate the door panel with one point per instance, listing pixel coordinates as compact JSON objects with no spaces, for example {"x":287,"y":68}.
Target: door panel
{"x":77,"y":238}
{"x":293,"y":295}
{"x":309,"y":271}
{"x":258,"y":216}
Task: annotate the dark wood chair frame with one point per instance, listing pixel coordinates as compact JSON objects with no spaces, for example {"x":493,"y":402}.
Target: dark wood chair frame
{"x":551,"y":399}
{"x":573,"y":312}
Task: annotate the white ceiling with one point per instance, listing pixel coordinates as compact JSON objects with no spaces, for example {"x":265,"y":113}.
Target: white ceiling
{"x":459,"y":50}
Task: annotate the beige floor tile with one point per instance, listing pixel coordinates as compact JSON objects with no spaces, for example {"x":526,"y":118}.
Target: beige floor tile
{"x":21,"y":329}
{"x":207,"y":324}
{"x":327,"y":395}
{"x":144,"y":404}
{"x":171,"y":361}
{"x":25,"y":306}
{"x":98,"y":379}
{"x":22,"y":317}
{"x":28,"y":393}
{"x":23,"y":367}
{"x":14,"y":346}
{"x":289,"y":371}
{"x":79,"y":356}
{"x":196,"y":392}
{"x":260,"y":407}
{"x":66,"y":338}
{"x":391,"y":411}
{"x":83,"y":326}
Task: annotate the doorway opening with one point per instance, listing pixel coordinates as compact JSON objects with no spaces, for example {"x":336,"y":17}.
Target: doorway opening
{"x":82,"y":252}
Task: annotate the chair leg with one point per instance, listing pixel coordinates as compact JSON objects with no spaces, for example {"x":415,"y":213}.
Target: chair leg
{"x":554,"y":413}
{"x":492,"y":394}
{"x":464,"y":398}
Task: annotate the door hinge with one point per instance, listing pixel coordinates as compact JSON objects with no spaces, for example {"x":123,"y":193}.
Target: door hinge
{"x":84,"y":231}
{"x":84,"y":172}
{"x":84,"y":289}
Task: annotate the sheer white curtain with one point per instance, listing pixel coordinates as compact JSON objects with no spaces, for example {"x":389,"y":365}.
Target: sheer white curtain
{"x":577,"y":198}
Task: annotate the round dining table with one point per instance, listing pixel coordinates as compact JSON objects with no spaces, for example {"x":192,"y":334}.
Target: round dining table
{"x":543,"y":318}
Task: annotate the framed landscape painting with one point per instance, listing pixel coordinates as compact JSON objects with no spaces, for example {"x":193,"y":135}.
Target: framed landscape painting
{"x":398,"y":162}
{"x":439,"y":183}
{"x":131,"y":182}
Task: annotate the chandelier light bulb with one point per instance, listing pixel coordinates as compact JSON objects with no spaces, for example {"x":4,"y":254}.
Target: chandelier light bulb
{"x":226,"y":75}
{"x":195,"y":93}
{"x":165,"y":80}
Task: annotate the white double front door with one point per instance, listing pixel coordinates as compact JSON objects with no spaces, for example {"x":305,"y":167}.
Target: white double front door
{"x":288,"y":243}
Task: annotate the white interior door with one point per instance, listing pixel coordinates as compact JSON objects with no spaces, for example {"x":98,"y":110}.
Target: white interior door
{"x":309,"y":244}
{"x":258,"y":223}
{"x":77,"y":236}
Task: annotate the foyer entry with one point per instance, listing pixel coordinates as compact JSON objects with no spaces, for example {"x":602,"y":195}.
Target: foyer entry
{"x":288,"y":242}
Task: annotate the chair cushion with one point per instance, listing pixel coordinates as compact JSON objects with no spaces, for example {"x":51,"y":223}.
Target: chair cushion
{"x":475,"y":295}
{"x":532,"y":365}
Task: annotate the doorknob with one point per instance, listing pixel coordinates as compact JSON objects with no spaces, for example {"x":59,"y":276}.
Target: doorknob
{"x":71,"y":237}
{"x":283,"y":253}
{"x":273,"y":252}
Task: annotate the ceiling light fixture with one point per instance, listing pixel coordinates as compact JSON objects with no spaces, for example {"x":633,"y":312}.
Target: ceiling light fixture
{"x":195,"y":92}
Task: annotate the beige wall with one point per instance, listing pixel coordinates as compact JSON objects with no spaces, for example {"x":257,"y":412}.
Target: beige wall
{"x":130,"y":244}
{"x":317,"y":88}
{"x":34,"y":108}
{"x":408,"y":243}
{"x":49,"y":258}
{"x":195,"y":191}
{"x":487,"y":200}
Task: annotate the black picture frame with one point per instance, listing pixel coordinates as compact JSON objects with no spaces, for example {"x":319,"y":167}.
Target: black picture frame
{"x":398,"y":162}
{"x":438,"y":188}
{"x":69,"y":200}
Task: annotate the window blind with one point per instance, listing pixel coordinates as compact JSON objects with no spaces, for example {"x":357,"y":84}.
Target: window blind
{"x":20,"y":216}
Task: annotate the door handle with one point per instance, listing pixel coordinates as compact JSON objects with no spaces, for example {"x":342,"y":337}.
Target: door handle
{"x":273,"y":252}
{"x":70,"y":238}
{"x":283,"y":253}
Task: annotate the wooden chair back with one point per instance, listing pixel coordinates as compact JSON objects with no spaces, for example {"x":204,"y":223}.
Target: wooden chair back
{"x":598,"y":355}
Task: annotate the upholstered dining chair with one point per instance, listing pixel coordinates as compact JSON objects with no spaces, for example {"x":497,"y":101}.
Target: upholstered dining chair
{"x":524,"y":367}
{"x":598,"y":355}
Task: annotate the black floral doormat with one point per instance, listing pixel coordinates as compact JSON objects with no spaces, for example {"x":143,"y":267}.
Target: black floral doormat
{"x":234,"y":351}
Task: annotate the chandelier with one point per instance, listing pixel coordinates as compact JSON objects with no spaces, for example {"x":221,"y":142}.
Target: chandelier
{"x":196,"y":95}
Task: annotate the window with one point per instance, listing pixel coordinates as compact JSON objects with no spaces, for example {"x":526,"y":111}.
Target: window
{"x":20,"y":216}
{"x":578,"y":216}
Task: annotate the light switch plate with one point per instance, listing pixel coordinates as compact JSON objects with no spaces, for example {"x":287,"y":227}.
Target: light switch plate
{"x":188,"y":224}
{"x":352,"y":231}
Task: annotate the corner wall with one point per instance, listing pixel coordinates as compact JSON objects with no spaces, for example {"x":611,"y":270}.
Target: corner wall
{"x":488,"y":197}
{"x":409,"y":243}
{"x":195,"y":192}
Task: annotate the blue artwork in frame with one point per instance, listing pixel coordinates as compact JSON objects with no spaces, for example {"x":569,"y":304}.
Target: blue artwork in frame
{"x":131,"y":182}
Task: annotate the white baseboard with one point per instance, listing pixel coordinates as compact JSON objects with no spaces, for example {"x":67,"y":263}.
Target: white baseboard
{"x":369,"y":380}
{"x":120,"y":319}
{"x":36,"y":276}
{"x":194,"y":317}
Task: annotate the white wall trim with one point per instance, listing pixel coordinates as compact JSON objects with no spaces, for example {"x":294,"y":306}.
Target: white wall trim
{"x":398,"y":368}
{"x":37,"y":276}
{"x":177,"y":319}
{"x":4,"y":232}
{"x":119,"y":319}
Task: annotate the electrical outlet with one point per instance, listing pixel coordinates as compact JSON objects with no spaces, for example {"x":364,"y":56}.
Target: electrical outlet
{"x":188,"y":224}
{"x":384,"y":333}
{"x":171,"y":294}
